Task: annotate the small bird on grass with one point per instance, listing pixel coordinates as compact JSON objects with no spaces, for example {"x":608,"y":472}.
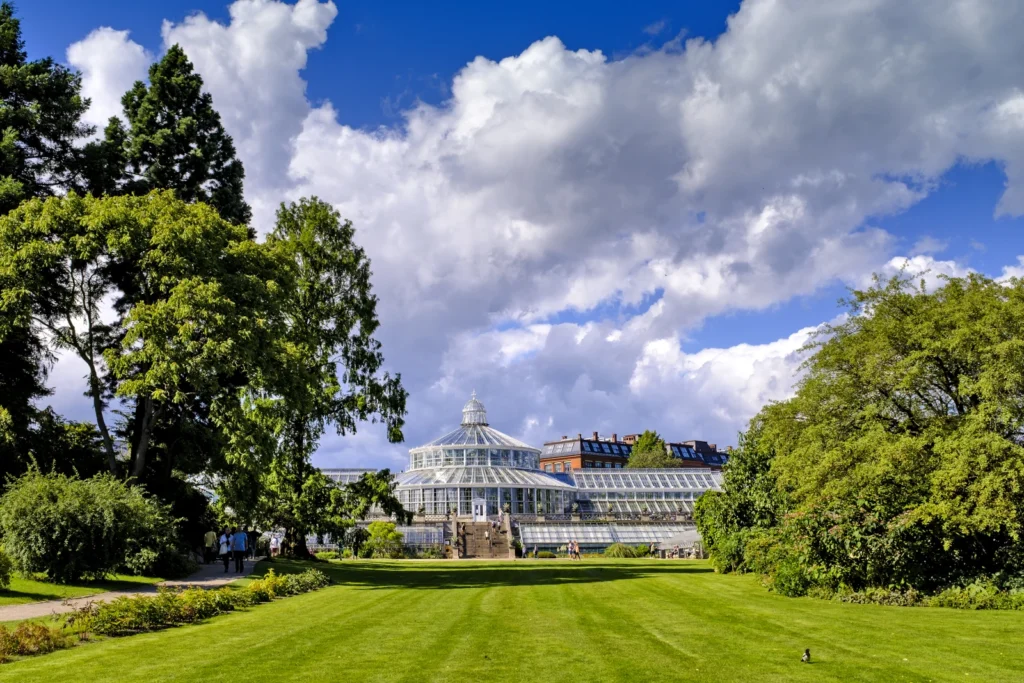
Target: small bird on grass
{"x":806,"y":659}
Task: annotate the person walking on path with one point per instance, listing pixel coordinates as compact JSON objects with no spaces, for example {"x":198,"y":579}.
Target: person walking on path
{"x":275,"y":545}
{"x":251,"y":540}
{"x":238,"y":546}
{"x":209,"y":546}
{"x":225,"y":548}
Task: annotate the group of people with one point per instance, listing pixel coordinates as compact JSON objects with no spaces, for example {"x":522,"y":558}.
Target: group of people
{"x":233,"y":544}
{"x":678,"y":553}
{"x":574,"y":550}
{"x":237,"y":544}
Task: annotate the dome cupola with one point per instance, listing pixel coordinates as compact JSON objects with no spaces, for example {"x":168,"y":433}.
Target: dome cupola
{"x":474,"y":413}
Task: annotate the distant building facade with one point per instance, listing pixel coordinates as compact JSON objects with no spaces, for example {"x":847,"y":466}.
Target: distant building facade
{"x":577,"y":453}
{"x":569,"y":454}
{"x":574,"y":488}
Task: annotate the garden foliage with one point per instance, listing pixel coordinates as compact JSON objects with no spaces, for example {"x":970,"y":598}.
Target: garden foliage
{"x":899,"y":463}
{"x":6,"y":569}
{"x":71,"y":528}
{"x":385,"y":541}
{"x":129,"y":615}
{"x":30,"y":638}
{"x":649,"y":451}
{"x":623,"y":550}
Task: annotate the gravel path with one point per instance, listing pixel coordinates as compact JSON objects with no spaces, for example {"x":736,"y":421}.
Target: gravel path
{"x":208,"y":576}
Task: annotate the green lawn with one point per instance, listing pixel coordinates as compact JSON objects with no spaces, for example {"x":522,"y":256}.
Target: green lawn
{"x":598,"y":620}
{"x":24,"y":590}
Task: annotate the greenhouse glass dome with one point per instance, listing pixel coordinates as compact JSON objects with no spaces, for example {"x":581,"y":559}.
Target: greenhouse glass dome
{"x":477,"y":471}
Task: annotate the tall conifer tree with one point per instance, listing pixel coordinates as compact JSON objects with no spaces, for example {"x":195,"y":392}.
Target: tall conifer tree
{"x":174,"y":140}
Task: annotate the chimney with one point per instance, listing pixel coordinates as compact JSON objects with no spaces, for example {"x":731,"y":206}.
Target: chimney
{"x":713,"y":446}
{"x":579,"y":436}
{"x":595,"y":436}
{"x":564,"y":437}
{"x":615,"y":437}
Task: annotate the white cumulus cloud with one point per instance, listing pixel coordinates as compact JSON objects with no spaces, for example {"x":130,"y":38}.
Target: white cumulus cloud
{"x":551,"y":232}
{"x":110,"y":63}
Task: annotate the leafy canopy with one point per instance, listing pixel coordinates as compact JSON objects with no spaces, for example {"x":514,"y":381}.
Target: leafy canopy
{"x":650,"y":451}
{"x":202,"y":321}
{"x":40,"y":155}
{"x":384,"y":541}
{"x":900,"y":461}
{"x":329,"y":371}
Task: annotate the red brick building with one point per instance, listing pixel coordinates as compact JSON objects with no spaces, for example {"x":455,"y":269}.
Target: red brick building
{"x":574,"y":453}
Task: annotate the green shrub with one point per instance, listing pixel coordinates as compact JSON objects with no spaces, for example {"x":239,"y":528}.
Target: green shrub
{"x":546,"y":555}
{"x":30,"y":639}
{"x":6,"y":568}
{"x":384,"y":542}
{"x":432,"y":552}
{"x":881,"y":596}
{"x":72,"y":528}
{"x":128,"y":615}
{"x":327,"y":555}
{"x":978,"y":595}
{"x":167,"y":563}
{"x":346,"y":553}
{"x":622,"y":550}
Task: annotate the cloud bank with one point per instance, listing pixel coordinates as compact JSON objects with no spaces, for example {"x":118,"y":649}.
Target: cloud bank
{"x":552,"y":233}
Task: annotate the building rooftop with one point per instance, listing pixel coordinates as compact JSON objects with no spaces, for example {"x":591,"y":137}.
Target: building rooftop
{"x":474,"y":431}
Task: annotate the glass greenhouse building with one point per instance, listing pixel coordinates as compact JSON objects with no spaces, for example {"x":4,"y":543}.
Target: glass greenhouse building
{"x":478,"y":471}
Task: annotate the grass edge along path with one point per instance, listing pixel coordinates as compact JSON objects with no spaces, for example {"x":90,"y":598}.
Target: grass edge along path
{"x":207,"y":576}
{"x":134,"y":614}
{"x":25,"y":591}
{"x":540,"y":621}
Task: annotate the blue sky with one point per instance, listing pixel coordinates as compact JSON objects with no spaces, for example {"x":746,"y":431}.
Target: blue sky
{"x":399,"y":51}
{"x":638,"y":238}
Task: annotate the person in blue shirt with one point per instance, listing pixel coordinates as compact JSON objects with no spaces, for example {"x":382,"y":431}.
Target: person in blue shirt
{"x":239,"y":543}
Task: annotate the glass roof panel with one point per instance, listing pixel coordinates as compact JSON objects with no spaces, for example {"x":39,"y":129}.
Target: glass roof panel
{"x":511,"y":476}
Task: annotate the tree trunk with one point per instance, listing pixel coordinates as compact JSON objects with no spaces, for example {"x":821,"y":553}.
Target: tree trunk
{"x":96,"y":393}
{"x":295,"y":544}
{"x":144,"y":433}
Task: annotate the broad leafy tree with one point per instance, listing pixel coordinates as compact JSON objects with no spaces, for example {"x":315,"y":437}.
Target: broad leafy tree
{"x":649,"y":451}
{"x":174,"y":140}
{"x":200,"y":314}
{"x":900,"y":461}
{"x":750,"y":500}
{"x":329,"y":369}
{"x":41,"y":127}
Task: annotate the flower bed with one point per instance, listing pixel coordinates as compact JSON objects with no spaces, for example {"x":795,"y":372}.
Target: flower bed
{"x":138,"y":614}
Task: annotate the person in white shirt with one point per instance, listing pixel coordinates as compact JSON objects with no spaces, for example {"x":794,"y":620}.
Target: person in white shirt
{"x":225,"y":549}
{"x":275,"y":545}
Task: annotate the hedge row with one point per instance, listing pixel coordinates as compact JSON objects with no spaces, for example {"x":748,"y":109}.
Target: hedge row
{"x":130,"y":615}
{"x":974,"y":596}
